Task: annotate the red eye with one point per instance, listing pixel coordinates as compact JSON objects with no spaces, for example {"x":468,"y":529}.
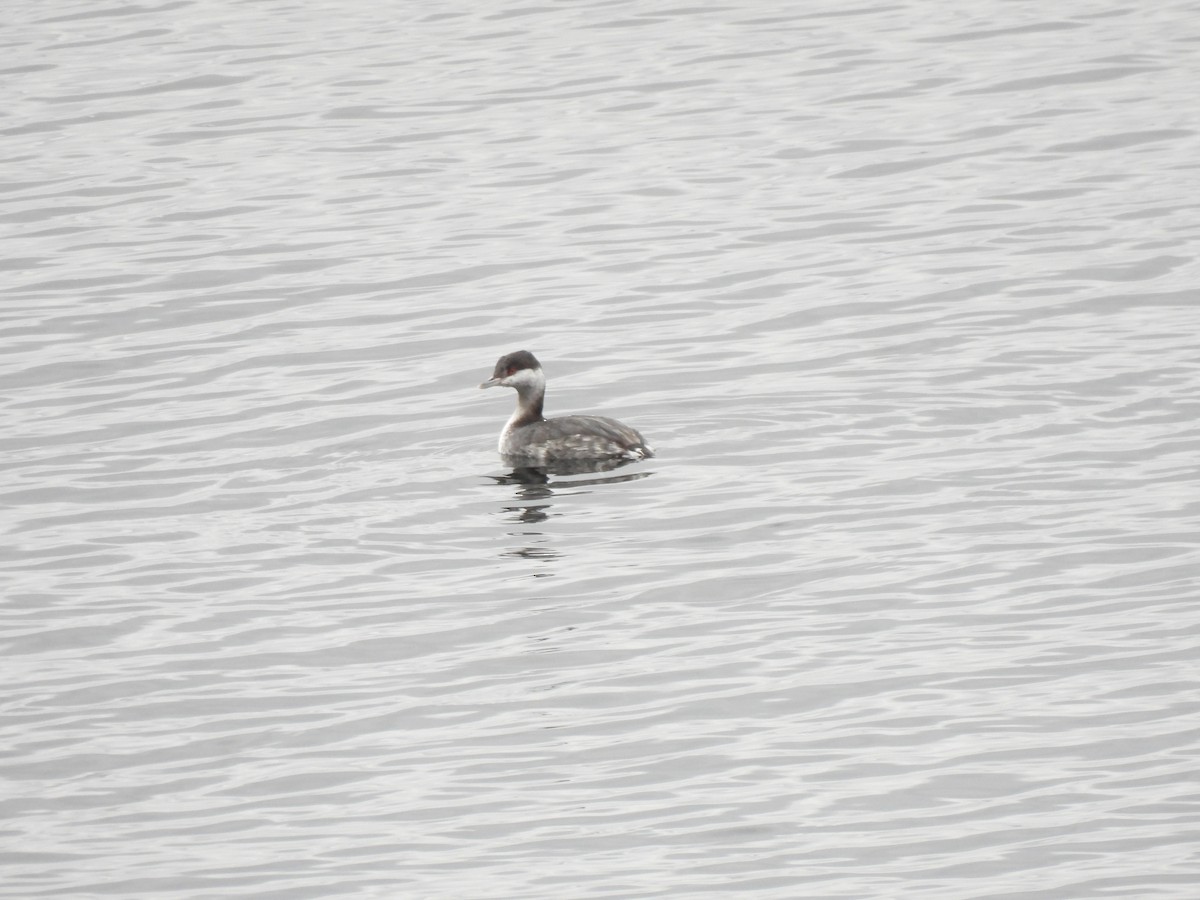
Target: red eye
{"x":512,"y":370}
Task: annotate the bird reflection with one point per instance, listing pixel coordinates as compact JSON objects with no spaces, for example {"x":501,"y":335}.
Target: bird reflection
{"x":526,"y":474}
{"x":535,"y":490}
{"x":535,"y":481}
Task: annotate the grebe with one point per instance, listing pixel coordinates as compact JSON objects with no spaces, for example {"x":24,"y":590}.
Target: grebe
{"x":534,"y":438}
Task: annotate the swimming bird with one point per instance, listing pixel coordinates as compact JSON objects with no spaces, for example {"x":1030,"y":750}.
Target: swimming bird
{"x":533,"y":439}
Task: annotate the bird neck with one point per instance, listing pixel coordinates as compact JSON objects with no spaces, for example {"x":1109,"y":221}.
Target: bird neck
{"x":530,"y":397}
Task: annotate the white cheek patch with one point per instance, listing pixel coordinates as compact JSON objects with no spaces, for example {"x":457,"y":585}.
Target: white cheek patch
{"x":524,"y":378}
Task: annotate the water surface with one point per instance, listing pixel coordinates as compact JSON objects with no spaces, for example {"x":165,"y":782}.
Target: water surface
{"x":905,"y":297}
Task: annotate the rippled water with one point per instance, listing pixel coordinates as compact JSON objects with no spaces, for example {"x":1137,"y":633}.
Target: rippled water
{"x":904,"y":294}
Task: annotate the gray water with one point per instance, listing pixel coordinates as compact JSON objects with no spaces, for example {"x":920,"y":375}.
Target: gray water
{"x":905,"y":294}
